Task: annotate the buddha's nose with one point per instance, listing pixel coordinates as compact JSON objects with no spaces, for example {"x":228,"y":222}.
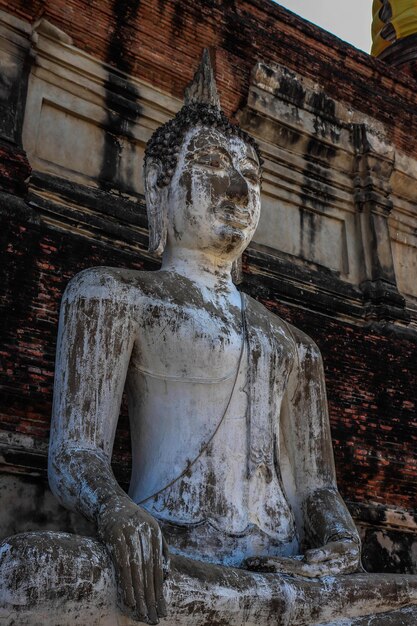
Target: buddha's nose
{"x":238,"y":188}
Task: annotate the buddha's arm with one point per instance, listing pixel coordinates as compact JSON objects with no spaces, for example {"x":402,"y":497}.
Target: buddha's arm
{"x":307,"y":431}
{"x":328,"y":526}
{"x":305,"y":428}
{"x":95,"y":340}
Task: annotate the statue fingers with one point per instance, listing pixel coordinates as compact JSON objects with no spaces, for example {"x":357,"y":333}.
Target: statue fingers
{"x":331,"y":564}
{"x":325,"y":553}
{"x":318,"y":555}
{"x":350,"y":554}
{"x":296,"y":566}
{"x":260,"y":564}
{"x":333,"y":567}
{"x":353,"y":561}
{"x":148,"y":566}
{"x":165,"y":556}
{"x":159,"y":573}
{"x":330,"y":551}
{"x":283,"y":565}
{"x":309,"y":570}
{"x":135,"y":562}
{"x":336,"y":567}
{"x":120,"y":555}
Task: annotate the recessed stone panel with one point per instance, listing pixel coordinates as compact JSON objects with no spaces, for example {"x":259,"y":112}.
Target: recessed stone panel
{"x":299,"y":231}
{"x":66,"y":141}
{"x":405,"y":263}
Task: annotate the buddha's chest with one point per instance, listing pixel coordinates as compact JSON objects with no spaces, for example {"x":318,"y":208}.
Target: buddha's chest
{"x":188,"y":343}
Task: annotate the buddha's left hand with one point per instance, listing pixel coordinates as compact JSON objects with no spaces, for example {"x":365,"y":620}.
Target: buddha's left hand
{"x":333,"y":559}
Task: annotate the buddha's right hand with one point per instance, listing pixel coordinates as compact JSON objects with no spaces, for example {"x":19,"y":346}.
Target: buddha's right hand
{"x":136,"y":546}
{"x":333,"y":559}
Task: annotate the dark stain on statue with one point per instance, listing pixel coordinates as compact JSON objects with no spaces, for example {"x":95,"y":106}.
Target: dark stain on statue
{"x":121,"y":100}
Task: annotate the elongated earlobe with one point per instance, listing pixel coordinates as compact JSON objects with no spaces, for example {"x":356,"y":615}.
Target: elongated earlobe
{"x":156,"y":209}
{"x":237,"y":271}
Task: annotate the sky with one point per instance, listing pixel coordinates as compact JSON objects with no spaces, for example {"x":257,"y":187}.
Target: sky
{"x":348,"y":19}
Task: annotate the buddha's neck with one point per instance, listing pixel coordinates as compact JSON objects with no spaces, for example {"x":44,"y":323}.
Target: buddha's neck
{"x":206,"y":271}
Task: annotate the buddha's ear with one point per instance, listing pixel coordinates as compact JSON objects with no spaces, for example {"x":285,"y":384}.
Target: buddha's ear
{"x":155,"y":197}
{"x":237,"y":271}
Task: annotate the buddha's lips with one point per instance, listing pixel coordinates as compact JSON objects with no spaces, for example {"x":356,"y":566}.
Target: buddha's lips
{"x":233,"y":215}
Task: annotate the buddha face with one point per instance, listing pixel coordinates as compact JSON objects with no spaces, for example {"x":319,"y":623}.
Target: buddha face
{"x":213,"y":199}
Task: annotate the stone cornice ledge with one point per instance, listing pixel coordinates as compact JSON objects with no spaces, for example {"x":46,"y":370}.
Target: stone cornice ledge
{"x":277,"y":93}
{"x":382,"y":516}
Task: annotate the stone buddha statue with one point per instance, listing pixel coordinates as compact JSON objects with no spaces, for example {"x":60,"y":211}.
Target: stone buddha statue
{"x":233,"y":514}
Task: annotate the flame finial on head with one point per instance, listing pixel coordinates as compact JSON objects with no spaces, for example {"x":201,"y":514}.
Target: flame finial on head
{"x":203,"y":89}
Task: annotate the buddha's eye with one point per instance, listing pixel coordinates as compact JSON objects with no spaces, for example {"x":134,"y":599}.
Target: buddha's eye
{"x":251,"y":174}
{"x":214,"y":160}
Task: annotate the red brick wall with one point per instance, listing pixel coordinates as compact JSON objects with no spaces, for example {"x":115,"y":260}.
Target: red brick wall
{"x":371,"y":387}
{"x":37,"y":263}
{"x":164,"y":38}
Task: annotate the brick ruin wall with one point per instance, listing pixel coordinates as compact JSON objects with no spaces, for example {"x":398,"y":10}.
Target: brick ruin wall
{"x":371,"y":368}
{"x":160,"y":42}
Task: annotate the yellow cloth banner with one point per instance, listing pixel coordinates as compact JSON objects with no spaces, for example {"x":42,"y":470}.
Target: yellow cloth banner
{"x":392,"y":20}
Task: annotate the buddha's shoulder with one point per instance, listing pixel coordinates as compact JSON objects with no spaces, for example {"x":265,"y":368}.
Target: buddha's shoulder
{"x":300,"y":340}
{"x":114,"y":284}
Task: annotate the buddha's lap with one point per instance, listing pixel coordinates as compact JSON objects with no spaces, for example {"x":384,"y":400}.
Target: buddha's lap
{"x":39,"y":567}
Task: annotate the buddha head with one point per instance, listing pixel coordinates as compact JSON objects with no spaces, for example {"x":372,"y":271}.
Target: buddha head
{"x":202,"y":176}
